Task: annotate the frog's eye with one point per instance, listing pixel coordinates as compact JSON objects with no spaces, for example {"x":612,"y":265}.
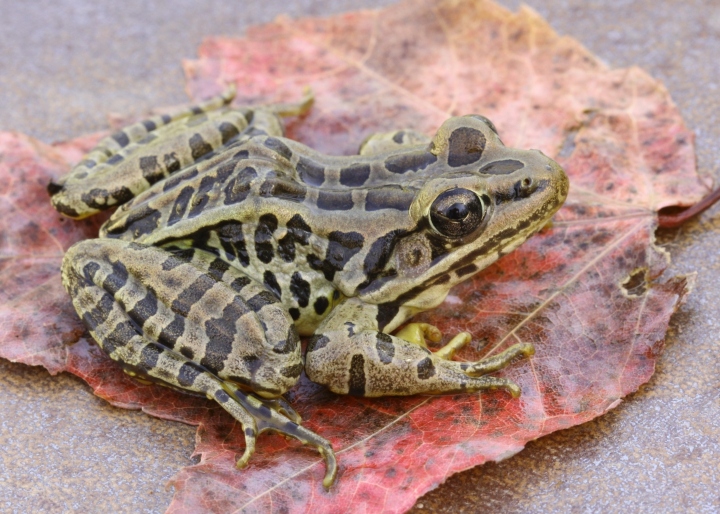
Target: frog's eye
{"x":457,"y":212}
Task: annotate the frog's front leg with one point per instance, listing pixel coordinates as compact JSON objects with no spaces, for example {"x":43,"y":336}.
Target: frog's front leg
{"x":349,"y":355}
{"x":187,"y":319}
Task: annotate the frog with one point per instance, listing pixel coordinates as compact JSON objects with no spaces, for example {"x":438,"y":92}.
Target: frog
{"x":230,"y":242}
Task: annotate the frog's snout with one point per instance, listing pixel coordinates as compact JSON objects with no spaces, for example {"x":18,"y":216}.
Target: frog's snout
{"x":561,"y":180}
{"x":54,"y":188}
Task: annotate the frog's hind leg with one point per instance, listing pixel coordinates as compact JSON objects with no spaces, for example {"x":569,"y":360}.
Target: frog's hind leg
{"x":292,"y":108}
{"x":350,"y":355}
{"x":189,"y":320}
{"x":111,"y":145}
{"x":129,"y":161}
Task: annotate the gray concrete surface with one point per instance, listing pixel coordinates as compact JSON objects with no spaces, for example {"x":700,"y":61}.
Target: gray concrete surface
{"x":65,"y":64}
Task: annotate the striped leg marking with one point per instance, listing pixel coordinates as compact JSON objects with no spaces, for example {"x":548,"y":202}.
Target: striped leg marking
{"x":129,"y":161}
{"x":190,"y":321}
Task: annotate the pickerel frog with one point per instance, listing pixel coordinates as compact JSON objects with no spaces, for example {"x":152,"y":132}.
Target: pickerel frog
{"x":231,"y":241}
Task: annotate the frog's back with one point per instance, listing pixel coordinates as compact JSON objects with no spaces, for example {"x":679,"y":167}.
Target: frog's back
{"x":264,"y":175}
{"x":254,"y":177}
{"x":309,"y":244}
{"x":315,"y":228}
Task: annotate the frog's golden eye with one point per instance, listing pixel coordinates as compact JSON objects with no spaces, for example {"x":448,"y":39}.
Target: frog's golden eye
{"x":457,"y":212}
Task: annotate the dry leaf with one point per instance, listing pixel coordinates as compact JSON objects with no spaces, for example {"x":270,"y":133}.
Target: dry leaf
{"x":588,"y":292}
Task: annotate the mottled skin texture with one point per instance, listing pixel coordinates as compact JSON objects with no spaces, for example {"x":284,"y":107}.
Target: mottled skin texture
{"x":231,"y":241}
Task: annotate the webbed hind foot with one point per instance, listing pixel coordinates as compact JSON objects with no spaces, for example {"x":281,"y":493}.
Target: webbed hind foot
{"x":270,"y":414}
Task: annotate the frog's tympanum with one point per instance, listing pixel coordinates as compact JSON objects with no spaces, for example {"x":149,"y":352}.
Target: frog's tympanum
{"x":231,"y":241}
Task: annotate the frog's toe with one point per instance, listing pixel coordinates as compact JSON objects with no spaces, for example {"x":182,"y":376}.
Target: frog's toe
{"x":417,"y":333}
{"x":249,"y":448}
{"x":282,"y":406}
{"x":267,"y":414}
{"x":448,"y":351}
{"x":474,"y":373}
{"x":291,"y":429}
{"x":330,"y":466}
{"x":478,"y":383}
{"x":499,"y":361}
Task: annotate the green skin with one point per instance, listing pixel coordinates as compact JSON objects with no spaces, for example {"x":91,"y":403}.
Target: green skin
{"x":231,"y":241}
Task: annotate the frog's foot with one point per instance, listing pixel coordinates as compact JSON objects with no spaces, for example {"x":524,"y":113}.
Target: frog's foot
{"x":495,"y":363}
{"x":259,"y":414}
{"x":367,"y":362}
{"x":417,"y":333}
{"x":382,"y":365}
{"x":499,"y":361}
{"x":283,"y":407}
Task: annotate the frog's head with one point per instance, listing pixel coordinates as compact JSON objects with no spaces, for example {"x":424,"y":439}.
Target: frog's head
{"x":486,"y":201}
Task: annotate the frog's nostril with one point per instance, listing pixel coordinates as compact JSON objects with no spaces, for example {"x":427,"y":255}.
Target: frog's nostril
{"x":525,"y":187}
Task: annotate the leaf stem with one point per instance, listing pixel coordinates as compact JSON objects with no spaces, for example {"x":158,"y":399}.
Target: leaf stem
{"x":675,"y":220}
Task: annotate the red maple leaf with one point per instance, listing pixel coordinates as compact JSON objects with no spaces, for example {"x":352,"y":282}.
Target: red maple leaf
{"x":588,"y":292}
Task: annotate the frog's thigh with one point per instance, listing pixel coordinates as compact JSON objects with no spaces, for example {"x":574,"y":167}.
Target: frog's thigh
{"x":355,"y":358}
{"x":126,"y":163}
{"x":159,"y":313}
{"x":191,"y":321}
{"x":265,"y":122}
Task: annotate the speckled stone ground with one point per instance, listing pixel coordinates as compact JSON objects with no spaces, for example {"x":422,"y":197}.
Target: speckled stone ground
{"x":64,"y":64}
